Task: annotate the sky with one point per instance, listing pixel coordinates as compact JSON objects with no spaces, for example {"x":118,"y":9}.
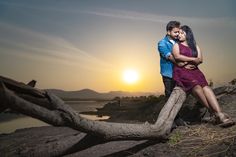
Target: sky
{"x":77,"y":44}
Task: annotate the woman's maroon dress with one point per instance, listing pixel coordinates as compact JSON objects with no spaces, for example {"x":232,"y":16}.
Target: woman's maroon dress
{"x":186,"y":78}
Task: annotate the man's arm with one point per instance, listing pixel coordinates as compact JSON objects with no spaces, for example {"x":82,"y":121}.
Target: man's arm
{"x":164,"y":52}
{"x":180,"y":63}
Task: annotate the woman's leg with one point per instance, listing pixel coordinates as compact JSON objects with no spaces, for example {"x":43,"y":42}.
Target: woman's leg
{"x":198,"y":92}
{"x":224,"y":119}
{"x":211,"y":99}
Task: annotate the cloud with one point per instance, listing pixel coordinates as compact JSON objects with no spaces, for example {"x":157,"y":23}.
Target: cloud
{"x":124,"y":14}
{"x":127,"y":15}
{"x":25,"y":42}
{"x":133,"y":15}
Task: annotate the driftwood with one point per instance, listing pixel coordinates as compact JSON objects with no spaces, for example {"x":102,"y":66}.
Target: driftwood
{"x":49,"y":108}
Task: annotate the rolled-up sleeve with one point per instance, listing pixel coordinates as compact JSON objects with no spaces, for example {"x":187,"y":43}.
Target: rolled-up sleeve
{"x":163,"y":50}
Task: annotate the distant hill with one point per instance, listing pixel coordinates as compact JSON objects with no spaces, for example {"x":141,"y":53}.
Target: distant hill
{"x":88,"y":94}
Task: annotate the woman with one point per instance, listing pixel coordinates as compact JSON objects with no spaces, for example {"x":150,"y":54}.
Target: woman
{"x":191,"y":79}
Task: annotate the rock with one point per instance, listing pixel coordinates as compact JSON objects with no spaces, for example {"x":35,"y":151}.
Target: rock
{"x":233,"y":82}
{"x":39,"y":141}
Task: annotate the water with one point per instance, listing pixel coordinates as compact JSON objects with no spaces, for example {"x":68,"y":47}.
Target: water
{"x":19,"y":123}
{"x":10,"y":122}
{"x":82,"y":106}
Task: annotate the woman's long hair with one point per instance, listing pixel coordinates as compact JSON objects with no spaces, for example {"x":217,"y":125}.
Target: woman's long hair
{"x":190,"y":39}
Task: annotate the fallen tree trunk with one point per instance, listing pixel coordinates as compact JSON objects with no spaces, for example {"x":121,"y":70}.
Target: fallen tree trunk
{"x":51,"y":109}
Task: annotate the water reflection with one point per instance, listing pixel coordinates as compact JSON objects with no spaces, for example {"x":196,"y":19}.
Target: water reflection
{"x":10,"y":122}
{"x":19,"y":123}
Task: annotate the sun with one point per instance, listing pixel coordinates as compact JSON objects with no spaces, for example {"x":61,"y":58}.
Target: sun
{"x":130,"y":76}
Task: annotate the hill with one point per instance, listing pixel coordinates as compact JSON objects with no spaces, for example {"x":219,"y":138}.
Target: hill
{"x":88,"y":94}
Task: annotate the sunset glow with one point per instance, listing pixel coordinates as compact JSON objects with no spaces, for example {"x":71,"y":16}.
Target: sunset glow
{"x":130,"y":76}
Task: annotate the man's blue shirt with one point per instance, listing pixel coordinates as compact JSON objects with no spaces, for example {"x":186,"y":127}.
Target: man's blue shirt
{"x":165,"y":48}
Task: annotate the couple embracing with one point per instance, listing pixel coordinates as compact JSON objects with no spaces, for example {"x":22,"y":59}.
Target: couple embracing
{"x":179,"y":60}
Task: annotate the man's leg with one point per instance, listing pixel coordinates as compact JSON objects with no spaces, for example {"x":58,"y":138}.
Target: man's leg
{"x":169,"y":84}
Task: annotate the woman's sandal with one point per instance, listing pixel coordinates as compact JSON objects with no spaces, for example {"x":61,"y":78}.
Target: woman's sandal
{"x":224,"y":120}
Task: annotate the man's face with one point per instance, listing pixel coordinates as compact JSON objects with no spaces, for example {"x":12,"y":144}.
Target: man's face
{"x":174,"y":33}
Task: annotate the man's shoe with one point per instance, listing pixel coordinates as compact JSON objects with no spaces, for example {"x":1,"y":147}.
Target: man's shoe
{"x":180,"y":122}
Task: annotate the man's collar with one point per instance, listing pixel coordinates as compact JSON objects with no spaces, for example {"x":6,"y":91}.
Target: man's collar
{"x":170,"y":40}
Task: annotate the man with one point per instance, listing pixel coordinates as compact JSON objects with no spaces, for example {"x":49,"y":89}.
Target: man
{"x":166,"y":58}
{"x":167,"y":62}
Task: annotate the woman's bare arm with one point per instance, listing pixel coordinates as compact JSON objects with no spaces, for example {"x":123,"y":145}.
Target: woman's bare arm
{"x":179,"y":57}
{"x":199,"y":55}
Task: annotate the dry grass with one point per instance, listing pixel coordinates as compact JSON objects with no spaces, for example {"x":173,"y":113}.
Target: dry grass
{"x":203,"y":140}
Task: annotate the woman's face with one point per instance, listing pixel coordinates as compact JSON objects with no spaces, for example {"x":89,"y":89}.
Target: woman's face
{"x":182,"y":35}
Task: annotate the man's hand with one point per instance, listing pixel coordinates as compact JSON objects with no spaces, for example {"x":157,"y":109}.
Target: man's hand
{"x":190,"y":66}
{"x":181,"y":64}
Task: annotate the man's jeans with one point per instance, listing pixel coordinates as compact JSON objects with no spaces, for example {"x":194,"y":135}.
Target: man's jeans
{"x":169,"y":84}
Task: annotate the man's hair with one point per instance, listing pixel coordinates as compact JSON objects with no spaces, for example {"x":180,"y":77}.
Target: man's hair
{"x":172,"y":24}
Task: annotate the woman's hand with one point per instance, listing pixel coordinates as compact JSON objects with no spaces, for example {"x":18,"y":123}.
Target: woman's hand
{"x":196,"y":61}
